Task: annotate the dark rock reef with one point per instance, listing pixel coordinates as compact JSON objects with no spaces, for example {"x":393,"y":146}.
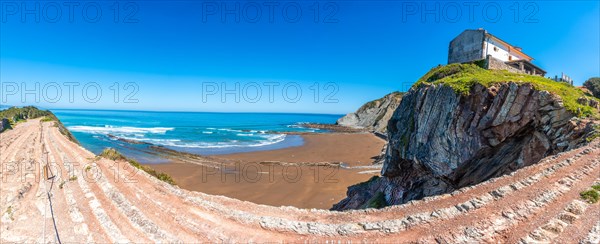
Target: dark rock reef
{"x":441,"y":140}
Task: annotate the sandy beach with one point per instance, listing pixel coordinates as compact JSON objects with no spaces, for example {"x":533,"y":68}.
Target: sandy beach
{"x":353,"y":149}
{"x":314,"y":175}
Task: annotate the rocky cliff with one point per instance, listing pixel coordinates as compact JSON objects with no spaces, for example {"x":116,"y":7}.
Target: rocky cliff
{"x":374,"y":115}
{"x":4,"y":124}
{"x":443,"y":137}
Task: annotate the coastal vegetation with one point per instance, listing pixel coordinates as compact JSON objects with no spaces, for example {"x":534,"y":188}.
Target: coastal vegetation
{"x":378,"y":101}
{"x":595,"y":134}
{"x":16,"y":115}
{"x":591,"y":195}
{"x":593,"y":85}
{"x":378,"y":201}
{"x":112,"y":154}
{"x":461,"y":77}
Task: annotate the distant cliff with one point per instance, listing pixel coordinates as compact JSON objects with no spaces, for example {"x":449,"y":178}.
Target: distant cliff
{"x":15,"y":114}
{"x":461,"y":125}
{"x":374,"y":115}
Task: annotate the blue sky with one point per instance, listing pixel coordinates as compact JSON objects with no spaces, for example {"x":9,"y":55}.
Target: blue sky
{"x":177,"y":53}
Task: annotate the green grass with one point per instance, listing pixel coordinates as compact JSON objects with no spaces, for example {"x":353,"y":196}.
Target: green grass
{"x":376,"y":102}
{"x":461,"y":77}
{"x":46,"y":119}
{"x":596,"y":187}
{"x":10,"y":212}
{"x":377,"y":201}
{"x":62,"y":184}
{"x":590,"y":196}
{"x":112,"y":154}
{"x":595,"y":134}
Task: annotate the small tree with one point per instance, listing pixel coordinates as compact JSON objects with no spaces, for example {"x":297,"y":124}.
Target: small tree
{"x":593,"y":84}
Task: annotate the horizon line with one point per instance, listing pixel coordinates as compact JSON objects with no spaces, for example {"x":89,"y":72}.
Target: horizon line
{"x":173,"y":111}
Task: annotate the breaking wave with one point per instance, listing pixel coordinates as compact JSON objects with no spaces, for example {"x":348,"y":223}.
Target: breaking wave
{"x":107,"y":129}
{"x":261,"y":140}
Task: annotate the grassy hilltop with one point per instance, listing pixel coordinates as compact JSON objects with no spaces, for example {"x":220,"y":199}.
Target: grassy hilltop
{"x":461,"y":77}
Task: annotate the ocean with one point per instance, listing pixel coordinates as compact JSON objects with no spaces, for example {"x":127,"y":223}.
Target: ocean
{"x":193,"y":132}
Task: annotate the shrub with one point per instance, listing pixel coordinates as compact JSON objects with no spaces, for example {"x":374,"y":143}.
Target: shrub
{"x":15,"y":114}
{"x":112,"y":154}
{"x":591,"y":196}
{"x":46,"y":119}
{"x":593,"y":84}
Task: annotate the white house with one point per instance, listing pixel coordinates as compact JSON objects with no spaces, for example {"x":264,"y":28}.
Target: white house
{"x":476,"y":45}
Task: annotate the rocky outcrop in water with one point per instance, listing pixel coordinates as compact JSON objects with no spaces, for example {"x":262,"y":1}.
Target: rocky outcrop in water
{"x":440,"y":141}
{"x":374,"y":115}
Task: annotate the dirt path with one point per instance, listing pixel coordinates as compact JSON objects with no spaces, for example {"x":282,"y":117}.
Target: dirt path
{"x":99,"y":200}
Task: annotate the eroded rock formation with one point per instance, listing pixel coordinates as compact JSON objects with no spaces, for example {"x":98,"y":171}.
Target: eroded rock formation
{"x":374,"y":115}
{"x":440,"y":141}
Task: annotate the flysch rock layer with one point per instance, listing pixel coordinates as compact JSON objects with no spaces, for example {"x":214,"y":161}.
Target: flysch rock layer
{"x":441,"y":141}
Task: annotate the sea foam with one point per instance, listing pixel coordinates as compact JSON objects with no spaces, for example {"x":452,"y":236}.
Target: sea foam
{"x":115,"y":129}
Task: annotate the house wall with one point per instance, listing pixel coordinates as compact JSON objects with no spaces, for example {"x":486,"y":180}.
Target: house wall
{"x":499,"y":50}
{"x":496,"y":64}
{"x":466,"y":47}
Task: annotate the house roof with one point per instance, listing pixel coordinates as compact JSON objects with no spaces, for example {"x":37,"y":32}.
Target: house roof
{"x":511,"y":47}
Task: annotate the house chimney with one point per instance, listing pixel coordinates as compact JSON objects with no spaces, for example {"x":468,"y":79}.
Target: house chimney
{"x":519,"y":49}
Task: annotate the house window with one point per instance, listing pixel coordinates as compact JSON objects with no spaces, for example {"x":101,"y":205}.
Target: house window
{"x":509,"y":58}
{"x":495,"y":49}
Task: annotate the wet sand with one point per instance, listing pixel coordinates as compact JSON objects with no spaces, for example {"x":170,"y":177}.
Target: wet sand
{"x":308,"y":176}
{"x":352,"y":149}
